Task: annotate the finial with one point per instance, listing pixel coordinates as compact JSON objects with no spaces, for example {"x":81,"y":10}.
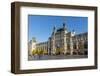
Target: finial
{"x":64,"y":24}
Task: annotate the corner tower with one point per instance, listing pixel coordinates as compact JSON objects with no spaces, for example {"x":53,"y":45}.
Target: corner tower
{"x":64,"y":38}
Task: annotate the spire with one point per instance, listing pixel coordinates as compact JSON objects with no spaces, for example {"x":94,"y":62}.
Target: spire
{"x":64,"y":26}
{"x":54,"y":30}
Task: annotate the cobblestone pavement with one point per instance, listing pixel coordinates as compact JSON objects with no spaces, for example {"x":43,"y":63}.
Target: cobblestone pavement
{"x":53,"y":57}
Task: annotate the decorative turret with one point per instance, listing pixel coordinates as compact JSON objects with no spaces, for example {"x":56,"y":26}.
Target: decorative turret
{"x":64,"y":27}
{"x":33,"y":39}
{"x":73,"y":32}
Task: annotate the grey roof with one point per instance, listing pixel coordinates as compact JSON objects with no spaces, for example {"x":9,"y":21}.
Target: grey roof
{"x":60,"y":29}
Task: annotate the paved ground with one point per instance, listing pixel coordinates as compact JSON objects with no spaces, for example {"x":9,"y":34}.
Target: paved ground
{"x":53,"y":57}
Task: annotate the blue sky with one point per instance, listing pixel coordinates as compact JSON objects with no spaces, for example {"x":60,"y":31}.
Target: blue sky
{"x":41,"y":26}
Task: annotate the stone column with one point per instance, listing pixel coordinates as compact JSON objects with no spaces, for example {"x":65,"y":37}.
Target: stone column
{"x":65,"y":44}
{"x":71,"y":46}
{"x":53,"y":40}
{"x":77,"y":46}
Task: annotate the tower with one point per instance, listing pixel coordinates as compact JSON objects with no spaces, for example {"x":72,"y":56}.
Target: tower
{"x":65,"y":28}
{"x":54,"y":30}
{"x":64,"y":38}
{"x":32,"y":46}
{"x":53,"y":40}
{"x":71,"y":42}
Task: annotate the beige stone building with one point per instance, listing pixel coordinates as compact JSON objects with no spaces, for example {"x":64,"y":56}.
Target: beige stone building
{"x":42,"y":47}
{"x":63,"y":42}
{"x":31,"y":46}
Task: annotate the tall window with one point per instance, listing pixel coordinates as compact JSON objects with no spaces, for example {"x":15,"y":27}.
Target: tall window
{"x":74,"y":46}
{"x":86,"y":45}
{"x":68,"y":46}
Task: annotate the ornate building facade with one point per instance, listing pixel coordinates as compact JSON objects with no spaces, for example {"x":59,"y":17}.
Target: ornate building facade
{"x":63,"y":42}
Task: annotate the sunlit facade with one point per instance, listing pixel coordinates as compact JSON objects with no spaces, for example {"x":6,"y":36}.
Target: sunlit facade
{"x":64,"y":42}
